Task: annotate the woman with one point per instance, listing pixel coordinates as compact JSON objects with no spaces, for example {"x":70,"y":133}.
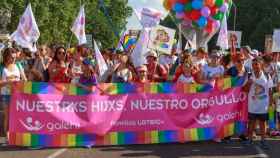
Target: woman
{"x":213,"y":69}
{"x":121,"y":72}
{"x":41,"y":64}
{"x":186,"y":77}
{"x":58,"y":69}
{"x":142,"y":76}
{"x":10,"y":71}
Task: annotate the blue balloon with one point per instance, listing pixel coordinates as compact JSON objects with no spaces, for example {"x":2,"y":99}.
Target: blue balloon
{"x":197,"y":4}
{"x":178,"y":7}
{"x":202,"y":22}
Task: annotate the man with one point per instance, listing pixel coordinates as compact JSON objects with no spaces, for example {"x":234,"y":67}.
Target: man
{"x":156,"y":71}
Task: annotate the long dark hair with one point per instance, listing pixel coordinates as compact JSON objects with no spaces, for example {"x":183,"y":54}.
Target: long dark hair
{"x":7,"y":52}
{"x":56,"y":53}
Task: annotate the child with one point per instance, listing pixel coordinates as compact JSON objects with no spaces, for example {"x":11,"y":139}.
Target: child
{"x":258,"y":100}
{"x":88,"y":77}
{"x":186,"y":77}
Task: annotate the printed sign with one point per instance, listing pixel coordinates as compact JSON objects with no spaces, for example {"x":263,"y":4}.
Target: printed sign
{"x":235,"y":37}
{"x":161,"y":39}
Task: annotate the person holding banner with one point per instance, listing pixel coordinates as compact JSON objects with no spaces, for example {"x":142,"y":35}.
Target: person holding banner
{"x":58,"y":69}
{"x":121,"y":72}
{"x":10,"y":71}
{"x":213,"y":69}
{"x":141,"y":76}
{"x":156,"y":71}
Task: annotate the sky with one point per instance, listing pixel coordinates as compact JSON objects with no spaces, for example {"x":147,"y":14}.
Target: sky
{"x":133,"y":23}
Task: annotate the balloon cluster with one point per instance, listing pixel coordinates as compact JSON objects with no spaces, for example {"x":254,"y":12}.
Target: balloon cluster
{"x":204,"y":14}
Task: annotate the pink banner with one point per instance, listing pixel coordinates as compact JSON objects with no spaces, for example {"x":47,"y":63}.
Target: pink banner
{"x":59,"y":114}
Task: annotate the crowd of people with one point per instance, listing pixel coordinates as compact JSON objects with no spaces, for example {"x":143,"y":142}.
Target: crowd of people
{"x":78,"y":66}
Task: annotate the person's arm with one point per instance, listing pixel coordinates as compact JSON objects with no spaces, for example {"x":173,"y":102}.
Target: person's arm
{"x":22,"y":73}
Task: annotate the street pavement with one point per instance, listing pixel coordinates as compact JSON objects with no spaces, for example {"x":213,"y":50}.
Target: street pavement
{"x":196,"y":149}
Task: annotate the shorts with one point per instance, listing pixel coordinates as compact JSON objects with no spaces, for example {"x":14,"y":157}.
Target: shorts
{"x":5,"y":100}
{"x":261,"y":117}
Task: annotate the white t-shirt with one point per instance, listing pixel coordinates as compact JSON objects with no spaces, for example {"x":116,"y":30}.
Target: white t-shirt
{"x":248,"y":64}
{"x":10,"y":75}
{"x":76,"y":69}
{"x":276,"y":76}
{"x":258,"y":97}
{"x":199,"y":62}
{"x":209,"y":72}
{"x":185,"y":79}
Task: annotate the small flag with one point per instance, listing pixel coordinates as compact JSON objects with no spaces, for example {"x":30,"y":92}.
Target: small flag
{"x":78,"y":27}
{"x":100,"y":61}
{"x":27,"y":32}
{"x":223,"y":35}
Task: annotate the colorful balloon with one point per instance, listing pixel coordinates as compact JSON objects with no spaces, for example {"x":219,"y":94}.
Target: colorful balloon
{"x":209,"y":27}
{"x":219,"y":16}
{"x":180,"y":15}
{"x":209,"y":3}
{"x":183,"y":1}
{"x":202,"y":22}
{"x":219,"y":3}
{"x":197,"y":4}
{"x":188,"y":7}
{"x":178,"y":7}
{"x":195,"y":15}
{"x":216,"y":24}
{"x":205,"y":11}
{"x":224,"y":7}
{"x":214,"y":10}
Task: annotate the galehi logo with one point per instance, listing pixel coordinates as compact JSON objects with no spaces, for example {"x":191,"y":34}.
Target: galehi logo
{"x":204,"y":119}
{"x":32,"y":125}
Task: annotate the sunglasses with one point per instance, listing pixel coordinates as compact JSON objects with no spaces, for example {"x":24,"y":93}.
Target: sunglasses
{"x":62,"y":52}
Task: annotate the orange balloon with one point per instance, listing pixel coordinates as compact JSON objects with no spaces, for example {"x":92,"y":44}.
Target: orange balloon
{"x":210,"y":3}
{"x":168,"y":4}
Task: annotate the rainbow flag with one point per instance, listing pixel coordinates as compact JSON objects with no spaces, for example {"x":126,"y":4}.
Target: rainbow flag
{"x":125,"y":88}
{"x":125,"y":138}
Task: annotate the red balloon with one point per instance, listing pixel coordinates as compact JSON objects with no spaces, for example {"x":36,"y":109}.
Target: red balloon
{"x":195,"y":15}
{"x":209,"y":28}
{"x":183,"y":1}
{"x":188,"y":15}
{"x":214,"y":10}
{"x":209,"y":3}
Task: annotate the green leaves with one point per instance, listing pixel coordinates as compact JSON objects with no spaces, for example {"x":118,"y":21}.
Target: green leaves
{"x":55,"y":18}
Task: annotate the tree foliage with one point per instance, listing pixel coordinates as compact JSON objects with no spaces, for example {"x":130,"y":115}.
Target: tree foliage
{"x":55,"y":17}
{"x":255,"y":18}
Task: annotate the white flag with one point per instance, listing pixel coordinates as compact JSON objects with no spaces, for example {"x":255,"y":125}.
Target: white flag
{"x":27,"y":32}
{"x":138,"y":55}
{"x":78,"y":27}
{"x":102,"y":66}
{"x":223,"y":35}
{"x":149,"y":18}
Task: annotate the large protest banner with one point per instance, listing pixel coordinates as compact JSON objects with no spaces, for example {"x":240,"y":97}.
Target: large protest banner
{"x":63,"y":115}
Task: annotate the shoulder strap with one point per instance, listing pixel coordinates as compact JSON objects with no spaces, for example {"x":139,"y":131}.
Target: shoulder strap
{"x":1,"y":70}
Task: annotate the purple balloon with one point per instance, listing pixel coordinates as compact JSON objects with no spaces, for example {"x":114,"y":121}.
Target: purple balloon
{"x":187,"y":22}
{"x":224,"y":7}
{"x":180,"y":15}
{"x":205,"y":11}
{"x":216,"y":24}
